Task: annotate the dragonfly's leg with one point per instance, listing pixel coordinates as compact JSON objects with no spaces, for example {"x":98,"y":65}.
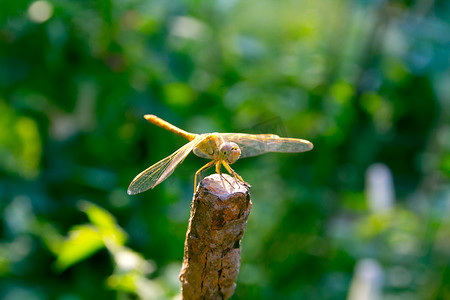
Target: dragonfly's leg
{"x":236,"y":175}
{"x":219,"y":171}
{"x":208,"y":165}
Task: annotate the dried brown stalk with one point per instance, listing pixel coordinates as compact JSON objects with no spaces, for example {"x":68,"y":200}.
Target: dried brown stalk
{"x":211,"y":261}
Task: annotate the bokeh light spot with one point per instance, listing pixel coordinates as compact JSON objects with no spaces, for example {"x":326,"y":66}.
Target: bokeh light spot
{"x":40,"y":11}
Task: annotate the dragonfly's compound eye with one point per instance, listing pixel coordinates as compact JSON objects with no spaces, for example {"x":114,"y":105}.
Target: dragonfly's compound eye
{"x":234,"y":154}
{"x":229,"y":152}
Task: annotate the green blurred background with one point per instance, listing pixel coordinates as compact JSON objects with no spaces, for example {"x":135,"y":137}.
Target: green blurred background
{"x":364,"y":215}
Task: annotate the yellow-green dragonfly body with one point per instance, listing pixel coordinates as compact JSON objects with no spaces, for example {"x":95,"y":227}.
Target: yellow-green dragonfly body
{"x":222,"y":148}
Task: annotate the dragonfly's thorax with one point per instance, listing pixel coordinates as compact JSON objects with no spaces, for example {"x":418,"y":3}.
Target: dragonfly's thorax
{"x":229,"y":152}
{"x":210,"y":145}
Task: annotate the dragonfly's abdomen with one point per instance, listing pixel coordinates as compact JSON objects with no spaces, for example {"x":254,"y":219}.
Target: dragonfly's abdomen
{"x":172,"y":128}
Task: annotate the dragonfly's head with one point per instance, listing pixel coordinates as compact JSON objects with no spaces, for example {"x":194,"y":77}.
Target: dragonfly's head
{"x":229,"y":152}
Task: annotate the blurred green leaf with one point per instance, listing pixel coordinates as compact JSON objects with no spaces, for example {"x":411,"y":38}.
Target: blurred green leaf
{"x":104,"y":222}
{"x":85,"y":240}
{"x":20,"y":143}
{"x":178,"y":94}
{"x":124,"y":282}
{"x":82,"y":242}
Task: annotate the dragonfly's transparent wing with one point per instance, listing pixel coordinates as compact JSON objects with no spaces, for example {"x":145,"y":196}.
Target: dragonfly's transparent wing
{"x":257,"y":144}
{"x":229,"y":138}
{"x":199,"y":153}
{"x":157,"y":173}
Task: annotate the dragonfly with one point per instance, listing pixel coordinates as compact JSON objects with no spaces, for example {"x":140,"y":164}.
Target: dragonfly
{"x":222,"y":149}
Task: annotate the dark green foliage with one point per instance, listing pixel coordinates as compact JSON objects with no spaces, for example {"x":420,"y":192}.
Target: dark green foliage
{"x":366,"y":82}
